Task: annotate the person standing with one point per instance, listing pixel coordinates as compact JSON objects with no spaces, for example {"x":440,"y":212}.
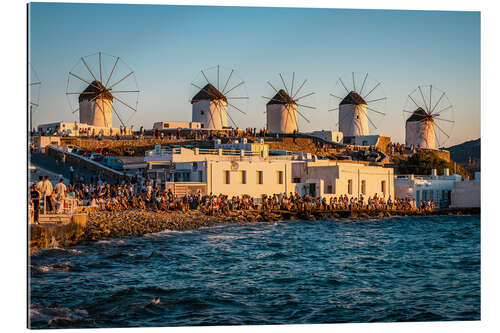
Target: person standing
{"x":47,"y":192}
{"x":60,"y":187}
{"x":35,"y":202}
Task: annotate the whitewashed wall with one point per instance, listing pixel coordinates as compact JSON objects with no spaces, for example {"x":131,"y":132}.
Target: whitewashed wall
{"x":212,"y":114}
{"x":353,"y":120}
{"x":420,"y":133}
{"x":282,"y":118}
{"x":91,"y":113}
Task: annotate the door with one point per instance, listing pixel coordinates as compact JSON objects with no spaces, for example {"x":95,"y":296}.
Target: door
{"x":312,"y":190}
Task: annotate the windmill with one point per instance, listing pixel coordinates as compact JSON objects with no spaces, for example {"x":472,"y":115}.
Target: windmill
{"x":283,"y":108}
{"x":34,"y":86}
{"x":100,"y":87}
{"x":361,"y":101}
{"x":217,"y":89}
{"x":431,"y":117}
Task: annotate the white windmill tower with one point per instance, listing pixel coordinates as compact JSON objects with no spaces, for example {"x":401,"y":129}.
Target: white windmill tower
{"x":283,"y":108}
{"x":429,"y":126}
{"x":356,"y":102}
{"x":211,"y":100}
{"x":105,"y":86}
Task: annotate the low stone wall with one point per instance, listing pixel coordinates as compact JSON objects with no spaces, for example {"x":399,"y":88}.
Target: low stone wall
{"x":57,"y":235}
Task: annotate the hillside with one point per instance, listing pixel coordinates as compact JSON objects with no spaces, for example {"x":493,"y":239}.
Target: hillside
{"x":460,"y":153}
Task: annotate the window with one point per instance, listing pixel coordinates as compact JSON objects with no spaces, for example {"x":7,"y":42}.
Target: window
{"x":243,"y":176}
{"x":382,"y":184}
{"x":227,"y":178}
{"x":329,"y":189}
{"x":165,"y":125}
{"x":349,"y":186}
{"x":363,"y":187}
{"x":296,"y":180}
{"x":200,"y":176}
{"x":202,"y":112}
{"x":279,"y":175}
{"x":260,"y":177}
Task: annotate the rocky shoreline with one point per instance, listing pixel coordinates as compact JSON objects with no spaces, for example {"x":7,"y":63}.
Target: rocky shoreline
{"x":135,"y":222}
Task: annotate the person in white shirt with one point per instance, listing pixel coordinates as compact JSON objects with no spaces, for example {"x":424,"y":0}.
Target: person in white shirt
{"x":60,"y":188}
{"x":47,"y":192}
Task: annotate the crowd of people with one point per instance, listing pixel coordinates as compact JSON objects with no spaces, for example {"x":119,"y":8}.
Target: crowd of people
{"x":153,"y":196}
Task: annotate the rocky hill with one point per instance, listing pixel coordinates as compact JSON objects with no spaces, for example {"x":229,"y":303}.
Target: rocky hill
{"x":460,"y":153}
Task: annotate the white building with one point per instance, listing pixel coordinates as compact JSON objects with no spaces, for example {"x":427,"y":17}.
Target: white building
{"x":353,"y":118}
{"x":467,"y":194}
{"x":96,"y":106}
{"x":420,"y":130}
{"x":246,"y":168}
{"x":328,"y":135}
{"x":433,"y":187}
{"x":80,"y":129}
{"x":209,"y":107}
{"x":176,"y":124}
{"x":281,"y":112}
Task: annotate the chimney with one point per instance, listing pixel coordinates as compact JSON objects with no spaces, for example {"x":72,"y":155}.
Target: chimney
{"x":446,"y":172}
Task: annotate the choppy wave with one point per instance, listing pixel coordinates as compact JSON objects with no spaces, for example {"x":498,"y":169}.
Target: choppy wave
{"x":346,"y":270}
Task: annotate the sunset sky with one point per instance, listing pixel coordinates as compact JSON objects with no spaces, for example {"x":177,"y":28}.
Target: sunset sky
{"x":167,"y":46}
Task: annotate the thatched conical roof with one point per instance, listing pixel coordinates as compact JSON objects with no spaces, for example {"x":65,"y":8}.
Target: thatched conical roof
{"x":281,"y":98}
{"x":419,"y":115}
{"x":353,"y":98}
{"x":96,"y":88}
{"x":208,"y":93}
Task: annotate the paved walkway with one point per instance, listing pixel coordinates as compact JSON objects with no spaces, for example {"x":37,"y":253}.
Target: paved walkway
{"x":49,"y":163}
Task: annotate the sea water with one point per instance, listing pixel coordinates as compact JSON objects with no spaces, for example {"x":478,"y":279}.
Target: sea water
{"x":330,"y":271}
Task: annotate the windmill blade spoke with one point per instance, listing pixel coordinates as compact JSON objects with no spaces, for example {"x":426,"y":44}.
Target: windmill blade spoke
{"x":423,"y":99}
{"x":306,"y":106}
{"x":34,"y":104}
{"x":336,"y":96}
{"x":300,"y":113}
{"x":293,"y":79}
{"x":439,"y":128}
{"x":284,"y":85}
{"x":118,"y":115}
{"x":78,"y":108}
{"x":205,"y":77}
{"x":35,"y":83}
{"x":234,"y":123}
{"x":81,"y":93}
{"x":437,"y":138}
{"x":236,"y":108}
{"x":363,"y":85}
{"x":437,"y":103}
{"x":450,"y":121}
{"x":272,"y":99}
{"x":203,"y":89}
{"x":88,"y":68}
{"x":237,"y":97}
{"x":126,"y":76}
{"x":217,"y":77}
{"x":298,"y":90}
{"x":100,"y":68}
{"x":90,"y":84}
{"x":125,"y":91}
{"x":353,"y":82}
{"x":269,"y":83}
{"x":376,"y":100}
{"x":440,"y":112}
{"x":236,"y":86}
{"x":228,"y":78}
{"x":371,"y":122}
{"x":303,"y":96}
{"x":344,"y":85}
{"x":110,"y":74}
{"x":375,"y":111}
{"x":333,"y":109}
{"x":414,"y":101}
{"x":376,"y":86}
{"x":430,"y":99}
{"x":124,"y":103}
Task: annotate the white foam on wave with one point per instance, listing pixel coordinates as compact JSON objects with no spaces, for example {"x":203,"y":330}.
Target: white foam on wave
{"x":48,"y":313}
{"x":110,"y":241}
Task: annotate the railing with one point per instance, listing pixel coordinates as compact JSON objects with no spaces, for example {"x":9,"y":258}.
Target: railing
{"x":67,"y":206}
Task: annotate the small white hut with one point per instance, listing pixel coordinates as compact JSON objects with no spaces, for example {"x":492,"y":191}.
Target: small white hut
{"x":96,"y":106}
{"x":353,"y":119}
{"x":420,"y":130}
{"x":210,"y":108}
{"x":282,"y":114}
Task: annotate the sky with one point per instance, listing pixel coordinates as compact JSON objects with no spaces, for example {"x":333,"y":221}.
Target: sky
{"x":167,"y":46}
